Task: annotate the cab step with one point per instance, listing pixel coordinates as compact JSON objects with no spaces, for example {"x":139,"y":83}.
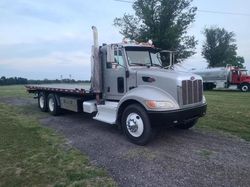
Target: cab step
{"x":107,"y":112}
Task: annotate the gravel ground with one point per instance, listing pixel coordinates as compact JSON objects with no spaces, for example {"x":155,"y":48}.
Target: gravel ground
{"x":173,"y":158}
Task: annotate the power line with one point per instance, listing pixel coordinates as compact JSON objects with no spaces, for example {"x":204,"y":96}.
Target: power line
{"x":227,"y":13}
{"x":200,"y":10}
{"x":124,"y":1}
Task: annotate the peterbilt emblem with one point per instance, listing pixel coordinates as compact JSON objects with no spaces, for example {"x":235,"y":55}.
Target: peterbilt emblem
{"x":192,"y":78}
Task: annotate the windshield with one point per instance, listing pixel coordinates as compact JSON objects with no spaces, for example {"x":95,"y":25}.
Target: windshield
{"x":143,"y":58}
{"x":243,"y":72}
{"x":156,"y":59}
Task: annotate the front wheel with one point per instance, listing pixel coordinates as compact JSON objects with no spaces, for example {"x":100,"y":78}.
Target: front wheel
{"x":245,"y":87}
{"x":187,"y":125}
{"x":136,"y":124}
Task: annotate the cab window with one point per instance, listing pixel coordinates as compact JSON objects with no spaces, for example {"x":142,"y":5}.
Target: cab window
{"x":118,"y":60}
{"x":243,"y":72}
{"x":119,"y":57}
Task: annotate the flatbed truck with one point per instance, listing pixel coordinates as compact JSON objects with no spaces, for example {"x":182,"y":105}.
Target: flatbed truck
{"x":129,"y":88}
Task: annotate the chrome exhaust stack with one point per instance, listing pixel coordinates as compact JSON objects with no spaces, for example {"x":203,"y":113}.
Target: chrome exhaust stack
{"x":95,"y":36}
{"x":96,"y":73}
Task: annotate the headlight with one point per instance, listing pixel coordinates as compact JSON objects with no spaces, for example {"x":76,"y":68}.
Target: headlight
{"x":160,"y":104}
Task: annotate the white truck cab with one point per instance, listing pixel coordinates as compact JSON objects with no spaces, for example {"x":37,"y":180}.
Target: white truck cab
{"x":131,"y":88}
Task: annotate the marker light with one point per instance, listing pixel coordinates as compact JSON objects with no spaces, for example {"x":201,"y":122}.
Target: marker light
{"x":125,"y":40}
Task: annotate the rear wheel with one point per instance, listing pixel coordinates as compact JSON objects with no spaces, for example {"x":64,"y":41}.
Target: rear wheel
{"x":42,"y":103}
{"x":245,"y":87}
{"x":136,"y":125}
{"x":187,"y":125}
{"x":53,"y":106}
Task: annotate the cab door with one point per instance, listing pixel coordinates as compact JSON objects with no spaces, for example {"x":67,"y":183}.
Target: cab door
{"x":235,"y":77}
{"x":115,"y":84}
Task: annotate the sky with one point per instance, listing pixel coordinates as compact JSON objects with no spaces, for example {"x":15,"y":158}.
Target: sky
{"x":52,"y":38}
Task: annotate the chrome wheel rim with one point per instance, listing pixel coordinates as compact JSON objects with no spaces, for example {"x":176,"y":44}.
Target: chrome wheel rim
{"x":51,"y":104}
{"x":41,"y":101}
{"x":244,"y":88}
{"x":134,"y":124}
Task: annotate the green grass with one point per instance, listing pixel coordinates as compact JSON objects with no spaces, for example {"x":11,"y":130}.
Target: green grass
{"x":31,"y":155}
{"x":229,"y":112}
{"x":17,"y":91}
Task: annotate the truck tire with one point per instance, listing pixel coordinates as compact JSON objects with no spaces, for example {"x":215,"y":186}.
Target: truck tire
{"x":42,"y":102}
{"x":187,"y":125}
{"x":53,"y":106}
{"x":136,"y":124}
{"x":208,"y":86}
{"x":245,"y":87}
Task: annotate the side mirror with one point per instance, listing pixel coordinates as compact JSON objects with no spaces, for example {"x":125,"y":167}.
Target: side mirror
{"x":110,"y":54}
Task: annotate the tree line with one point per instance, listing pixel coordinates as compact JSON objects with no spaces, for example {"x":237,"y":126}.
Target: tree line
{"x":21,"y":81}
{"x":166,"y":22}
{"x":13,"y":80}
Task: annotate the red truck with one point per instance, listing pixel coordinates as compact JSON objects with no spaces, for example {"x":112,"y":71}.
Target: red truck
{"x":229,"y":75}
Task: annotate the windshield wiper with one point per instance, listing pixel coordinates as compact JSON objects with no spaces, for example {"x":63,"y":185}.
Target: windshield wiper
{"x":157,"y":65}
{"x":169,"y":67}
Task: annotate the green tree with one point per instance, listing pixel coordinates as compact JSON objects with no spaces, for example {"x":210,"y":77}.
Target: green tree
{"x":220,"y":49}
{"x":163,"y":21}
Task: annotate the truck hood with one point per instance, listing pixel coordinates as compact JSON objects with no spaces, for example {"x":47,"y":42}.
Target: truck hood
{"x":167,"y":80}
{"x":166,"y":74}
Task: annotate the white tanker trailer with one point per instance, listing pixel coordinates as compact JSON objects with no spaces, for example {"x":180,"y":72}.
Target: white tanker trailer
{"x":226,"y":76}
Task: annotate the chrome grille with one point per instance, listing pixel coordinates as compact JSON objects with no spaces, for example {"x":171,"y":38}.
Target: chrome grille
{"x":192,"y":92}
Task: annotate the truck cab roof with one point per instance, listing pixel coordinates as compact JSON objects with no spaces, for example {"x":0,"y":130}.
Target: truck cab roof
{"x":136,"y":46}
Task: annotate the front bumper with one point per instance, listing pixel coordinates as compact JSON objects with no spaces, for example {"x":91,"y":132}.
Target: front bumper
{"x":178,"y":116}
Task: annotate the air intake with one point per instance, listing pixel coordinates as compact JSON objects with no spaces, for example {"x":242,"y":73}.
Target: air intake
{"x":192,"y":91}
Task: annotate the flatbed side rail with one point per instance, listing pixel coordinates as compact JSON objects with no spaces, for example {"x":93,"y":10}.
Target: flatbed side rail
{"x":33,"y":89}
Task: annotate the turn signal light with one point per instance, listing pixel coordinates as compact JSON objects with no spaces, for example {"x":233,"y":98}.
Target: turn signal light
{"x":160,"y":104}
{"x":151,"y":104}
